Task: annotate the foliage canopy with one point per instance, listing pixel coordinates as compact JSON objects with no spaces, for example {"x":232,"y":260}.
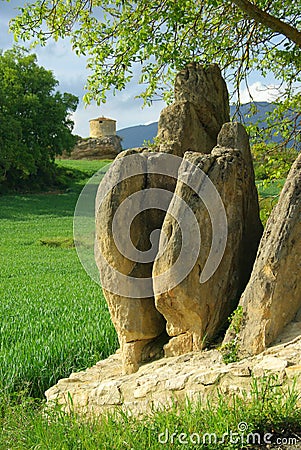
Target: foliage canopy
{"x":272,"y":162}
{"x":35,"y":122}
{"x":162,"y":36}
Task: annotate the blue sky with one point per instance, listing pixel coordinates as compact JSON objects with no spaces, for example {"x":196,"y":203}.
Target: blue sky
{"x":70,"y":70}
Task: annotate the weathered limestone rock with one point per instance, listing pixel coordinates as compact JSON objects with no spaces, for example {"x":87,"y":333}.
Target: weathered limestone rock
{"x":107,"y":147}
{"x":159,"y":384}
{"x":138,"y":323}
{"x":193,"y":122}
{"x":201,"y":107}
{"x":195,"y":312}
{"x":272,"y":297}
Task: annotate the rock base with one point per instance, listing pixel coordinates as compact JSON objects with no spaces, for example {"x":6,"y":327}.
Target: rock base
{"x":196,"y":375}
{"x":90,"y":149}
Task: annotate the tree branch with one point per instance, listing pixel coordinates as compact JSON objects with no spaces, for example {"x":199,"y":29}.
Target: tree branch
{"x":269,"y":21}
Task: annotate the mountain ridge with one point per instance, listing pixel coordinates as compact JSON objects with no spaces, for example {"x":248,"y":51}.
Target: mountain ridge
{"x":136,"y":135}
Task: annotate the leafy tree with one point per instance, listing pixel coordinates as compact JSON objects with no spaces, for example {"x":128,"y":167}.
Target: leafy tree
{"x":35,"y":122}
{"x":272,"y":162}
{"x":162,"y":36}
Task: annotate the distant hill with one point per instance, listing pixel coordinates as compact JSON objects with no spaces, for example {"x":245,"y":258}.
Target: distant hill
{"x":262,"y":109}
{"x":136,"y":135}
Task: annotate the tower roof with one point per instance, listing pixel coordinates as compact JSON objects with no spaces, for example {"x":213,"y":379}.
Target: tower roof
{"x":103,"y":118}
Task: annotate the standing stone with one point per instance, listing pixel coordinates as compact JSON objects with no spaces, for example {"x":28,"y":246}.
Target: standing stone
{"x":191,"y":123}
{"x":196,"y":312}
{"x":136,"y":320}
{"x":201,"y":107}
{"x":272,"y":297}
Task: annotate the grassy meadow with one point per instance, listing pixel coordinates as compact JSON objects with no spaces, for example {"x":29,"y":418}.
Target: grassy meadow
{"x":54,"y":320}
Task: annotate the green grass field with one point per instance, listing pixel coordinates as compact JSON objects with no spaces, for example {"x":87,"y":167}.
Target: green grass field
{"x":54,"y":320}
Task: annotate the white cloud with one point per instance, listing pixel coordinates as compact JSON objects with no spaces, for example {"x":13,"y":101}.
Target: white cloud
{"x":152,"y":121}
{"x":260,"y":93}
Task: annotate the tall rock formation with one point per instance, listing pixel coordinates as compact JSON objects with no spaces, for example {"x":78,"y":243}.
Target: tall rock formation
{"x":197,"y":311}
{"x":201,"y":107}
{"x":128,"y":225}
{"x":123,"y":210}
{"x":191,"y":123}
{"x":272,"y":297}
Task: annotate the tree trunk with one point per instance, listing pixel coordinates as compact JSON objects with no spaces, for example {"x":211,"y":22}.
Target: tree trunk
{"x":269,"y":21}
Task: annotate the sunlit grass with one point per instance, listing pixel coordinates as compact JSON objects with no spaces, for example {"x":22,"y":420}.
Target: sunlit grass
{"x":54,"y":319}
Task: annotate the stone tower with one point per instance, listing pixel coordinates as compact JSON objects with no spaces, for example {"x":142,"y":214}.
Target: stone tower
{"x":101,"y":127}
